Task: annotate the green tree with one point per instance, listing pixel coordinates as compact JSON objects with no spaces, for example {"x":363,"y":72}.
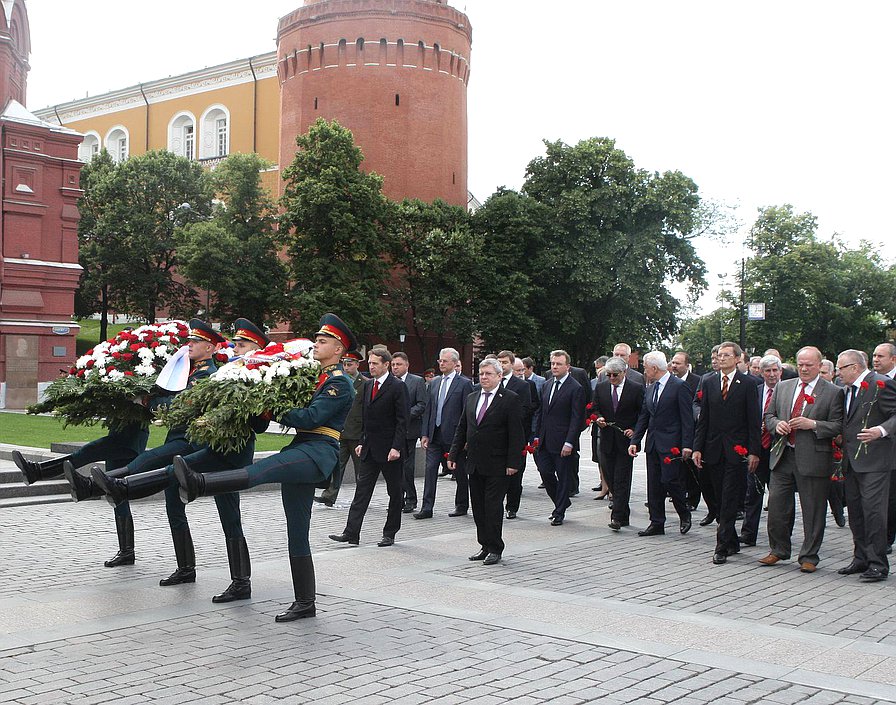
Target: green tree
{"x":333,"y":232}
{"x":235,"y":254}
{"x":618,"y":237}
{"x":699,"y":335}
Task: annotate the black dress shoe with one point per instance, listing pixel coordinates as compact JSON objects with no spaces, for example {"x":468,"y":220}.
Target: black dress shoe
{"x":615,"y":525}
{"x":853,"y":568}
{"x":685,"y":525}
{"x":344,"y":538}
{"x":719,"y":558}
{"x":325,"y":502}
{"x":297,"y":610}
{"x":479,"y":556}
{"x":652,"y":530}
{"x":422,"y":515}
{"x":840,"y":519}
{"x":556,"y":521}
{"x":709,"y":519}
{"x":873,"y":575}
{"x":386,"y":541}
{"x":739,"y":517}
{"x":511,"y":514}
{"x":179,"y":577}
{"x":407,"y":510}
{"x":492,"y":558}
{"x":458,"y":512}
{"x":239,"y":589}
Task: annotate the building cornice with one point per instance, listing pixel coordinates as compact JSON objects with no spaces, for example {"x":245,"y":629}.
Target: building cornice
{"x":232,"y":73}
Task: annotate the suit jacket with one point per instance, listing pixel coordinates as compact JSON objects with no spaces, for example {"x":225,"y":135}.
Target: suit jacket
{"x":539,"y":381}
{"x":812,"y":448}
{"x":580,"y":375}
{"x":383,"y":419}
{"x":669,"y":423}
{"x":730,"y":422}
{"x":521,"y":388}
{"x":560,"y":421}
{"x":874,"y":406}
{"x":692,"y":381}
{"x":452,"y":408}
{"x":352,"y":430}
{"x":416,"y":405}
{"x":625,"y":416}
{"x":498,"y":442}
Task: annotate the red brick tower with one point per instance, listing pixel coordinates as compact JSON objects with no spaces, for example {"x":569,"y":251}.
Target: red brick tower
{"x":39,"y":195}
{"x":394,"y":72}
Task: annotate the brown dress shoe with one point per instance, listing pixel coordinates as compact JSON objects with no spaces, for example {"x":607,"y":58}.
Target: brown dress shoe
{"x":808,"y":567}
{"x":770,"y":559}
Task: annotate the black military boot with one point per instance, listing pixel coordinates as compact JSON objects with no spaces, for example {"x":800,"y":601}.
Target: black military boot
{"x":125,"y":556}
{"x":304,"y":587}
{"x":240,"y":572}
{"x":120,"y":487}
{"x":35,"y":472}
{"x":81,"y":487}
{"x":186,"y":559}
{"x":201,"y":484}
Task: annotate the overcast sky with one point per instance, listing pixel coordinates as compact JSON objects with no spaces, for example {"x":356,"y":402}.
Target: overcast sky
{"x":760,"y":102}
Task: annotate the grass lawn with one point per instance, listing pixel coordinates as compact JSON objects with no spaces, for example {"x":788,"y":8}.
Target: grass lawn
{"x":41,"y":431}
{"x":89,"y":335}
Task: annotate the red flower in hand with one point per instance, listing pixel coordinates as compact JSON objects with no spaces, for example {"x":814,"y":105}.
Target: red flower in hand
{"x":667,"y":460}
{"x":536,"y":443}
{"x":675,"y":451}
{"x":589,"y":406}
{"x":809,"y":400}
{"x":445,"y":456}
{"x":592,"y":418}
{"x":699,"y":394}
{"x":838,"y":455}
{"x":864,"y":385}
{"x":741,"y":451}
{"x":881,"y":384}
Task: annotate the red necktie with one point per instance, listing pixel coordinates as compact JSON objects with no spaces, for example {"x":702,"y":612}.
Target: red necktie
{"x":766,"y":436}
{"x":797,"y":411}
{"x":376,"y":388}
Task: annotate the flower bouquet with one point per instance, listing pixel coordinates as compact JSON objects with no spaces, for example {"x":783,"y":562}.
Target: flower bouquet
{"x":270,"y":382}
{"x":107,"y":383}
{"x":837,"y":455}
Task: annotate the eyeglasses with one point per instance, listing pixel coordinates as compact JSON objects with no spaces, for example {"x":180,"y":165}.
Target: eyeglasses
{"x":725,"y":355}
{"x":614,"y":374}
{"x":840,"y":369}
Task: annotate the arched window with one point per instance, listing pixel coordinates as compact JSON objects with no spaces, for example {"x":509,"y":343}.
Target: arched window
{"x":90,"y":147}
{"x":182,"y":135}
{"x":215,"y":133}
{"x":118,"y":143}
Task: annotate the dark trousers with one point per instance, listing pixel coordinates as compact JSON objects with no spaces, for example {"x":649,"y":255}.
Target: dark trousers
{"x":367,"y":475}
{"x":867,"y":496}
{"x":487,"y":498}
{"x":708,"y":486}
{"x":514,"y":490}
{"x":617,"y":469}
{"x":435,"y":456}
{"x":729,"y":481}
{"x":756,"y":484}
{"x":691,"y":482}
{"x":837,"y":496}
{"x":662,"y":479}
{"x":891,"y":510}
{"x":409,"y":462}
{"x":813,"y":491}
{"x":556,"y":472}
{"x":346,"y":450}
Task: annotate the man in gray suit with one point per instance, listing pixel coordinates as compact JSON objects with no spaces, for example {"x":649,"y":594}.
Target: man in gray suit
{"x":807,"y":413}
{"x":416,"y":406}
{"x":868,"y":432}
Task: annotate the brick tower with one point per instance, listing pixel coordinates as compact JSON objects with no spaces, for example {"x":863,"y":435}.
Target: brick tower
{"x":39,"y":194}
{"x":395,"y":73}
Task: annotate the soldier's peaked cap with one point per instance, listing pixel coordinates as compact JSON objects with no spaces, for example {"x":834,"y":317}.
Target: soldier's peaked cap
{"x":200,"y":330}
{"x":244,"y":329}
{"x":335,"y":327}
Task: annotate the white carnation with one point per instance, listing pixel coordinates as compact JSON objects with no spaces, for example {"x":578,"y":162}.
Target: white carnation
{"x":115,"y":375}
{"x":82,"y":361}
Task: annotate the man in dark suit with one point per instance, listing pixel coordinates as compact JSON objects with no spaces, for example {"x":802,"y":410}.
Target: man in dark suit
{"x":728,"y":425}
{"x":383,"y":437}
{"x":883,"y":359}
{"x":523,"y":390}
{"x":580,"y":375}
{"x":808,"y":413}
{"x":680,"y":366}
{"x":617,"y":404}
{"x":416,"y":406}
{"x":559,"y":424}
{"x":624,"y":352}
{"x":668,"y":419}
{"x":868,"y":437}
{"x":490,"y":433}
{"x":444,"y":407}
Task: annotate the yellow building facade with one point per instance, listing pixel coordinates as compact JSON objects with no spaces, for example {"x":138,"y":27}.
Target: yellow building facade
{"x":202,"y":115}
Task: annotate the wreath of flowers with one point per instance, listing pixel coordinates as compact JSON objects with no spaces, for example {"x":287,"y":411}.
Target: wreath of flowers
{"x":107,"y":383}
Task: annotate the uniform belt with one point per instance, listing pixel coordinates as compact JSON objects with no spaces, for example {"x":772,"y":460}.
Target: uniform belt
{"x":323,"y":431}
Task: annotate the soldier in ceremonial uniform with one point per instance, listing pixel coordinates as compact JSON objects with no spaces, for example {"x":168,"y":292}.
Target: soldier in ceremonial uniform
{"x":203,"y":340}
{"x":301,"y":466}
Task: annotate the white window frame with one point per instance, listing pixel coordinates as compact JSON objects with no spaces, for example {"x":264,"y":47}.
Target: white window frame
{"x":211,"y":137}
{"x":90,"y":147}
{"x":177,"y":139}
{"x":118,"y":142}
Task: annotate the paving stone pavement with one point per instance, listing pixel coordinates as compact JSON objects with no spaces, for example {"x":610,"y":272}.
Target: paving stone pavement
{"x":574,"y":614}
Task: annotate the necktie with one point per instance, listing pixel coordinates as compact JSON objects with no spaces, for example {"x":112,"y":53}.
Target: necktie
{"x":484,"y":408}
{"x":554,"y":390}
{"x":615,"y":397}
{"x":656,"y":392}
{"x":724,"y":387}
{"x":850,"y":397}
{"x":443,"y":390}
{"x":376,"y":388}
{"x":766,"y":435}
{"x":797,"y":411}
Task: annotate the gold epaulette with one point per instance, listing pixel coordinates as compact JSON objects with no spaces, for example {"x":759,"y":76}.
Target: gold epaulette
{"x":324,"y":431}
{"x":338,"y":373}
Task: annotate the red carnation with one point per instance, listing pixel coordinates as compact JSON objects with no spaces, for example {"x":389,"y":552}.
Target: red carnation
{"x":110,"y":369}
{"x":589,"y":406}
{"x":445,"y":456}
{"x":90,"y":363}
{"x":116,"y":355}
{"x":699,"y":394}
{"x":535,"y":443}
{"x":89,"y":352}
{"x":127,"y":356}
{"x":881,"y":384}
{"x":129,"y":373}
{"x":73,"y":371}
{"x":80,"y":373}
{"x":838,"y":455}
{"x":741,"y":451}
{"x":154,"y":344}
{"x":864,"y":385}
{"x":592,"y":418}
{"x":135,"y":347}
{"x":667,"y":460}
{"x":675,"y":451}
{"x":809,"y":400}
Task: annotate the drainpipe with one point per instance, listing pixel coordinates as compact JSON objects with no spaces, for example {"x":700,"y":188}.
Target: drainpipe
{"x":254,"y":106}
{"x":146,"y":145}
